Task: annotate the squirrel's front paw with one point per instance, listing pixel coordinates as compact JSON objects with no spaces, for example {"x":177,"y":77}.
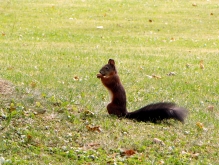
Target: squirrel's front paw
{"x":99,"y":75}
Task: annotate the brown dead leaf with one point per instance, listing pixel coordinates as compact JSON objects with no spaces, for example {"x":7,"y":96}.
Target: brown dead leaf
{"x":76,"y":78}
{"x":127,"y":152}
{"x":89,"y":113}
{"x":33,"y":84}
{"x":195,"y":155}
{"x":57,"y":104}
{"x":210,"y":108}
{"x":200,"y":125}
{"x":94,"y":128}
{"x":110,"y":162}
{"x":171,"y":74}
{"x":155,"y":76}
{"x":10,"y":68}
{"x":29,"y":137}
{"x":161,"y":162}
{"x":202,"y":64}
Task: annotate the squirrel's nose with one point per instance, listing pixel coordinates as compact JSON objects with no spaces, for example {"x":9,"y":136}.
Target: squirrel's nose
{"x":101,"y":72}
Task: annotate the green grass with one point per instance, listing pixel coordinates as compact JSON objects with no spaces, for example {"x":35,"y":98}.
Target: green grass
{"x":52,"y":50}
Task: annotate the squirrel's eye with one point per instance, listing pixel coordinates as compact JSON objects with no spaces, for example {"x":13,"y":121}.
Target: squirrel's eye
{"x":107,"y":68}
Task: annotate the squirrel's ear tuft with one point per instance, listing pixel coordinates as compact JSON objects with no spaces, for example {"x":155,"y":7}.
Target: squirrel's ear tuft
{"x":111,"y":62}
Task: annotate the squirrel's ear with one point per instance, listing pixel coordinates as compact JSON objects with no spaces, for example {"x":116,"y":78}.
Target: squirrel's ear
{"x":111,"y":62}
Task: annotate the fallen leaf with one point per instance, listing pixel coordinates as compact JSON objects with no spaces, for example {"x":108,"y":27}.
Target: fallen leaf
{"x":12,"y":107}
{"x":202,"y":64}
{"x":127,"y":152}
{"x":57,"y":104}
{"x":76,"y":78}
{"x":210,"y":108}
{"x":94,"y":128}
{"x":93,"y":144}
{"x":90,"y":146}
{"x":110,"y":162}
{"x":184,"y":153}
{"x":171,"y":74}
{"x":158,"y":141}
{"x":195,"y":155}
{"x":29,"y":138}
{"x":188,"y":65}
{"x":200,"y":125}
{"x":194,"y":4}
{"x":87,"y":112}
{"x":33,"y":84}
{"x":10,"y":68}
{"x":161,"y":162}
{"x":155,"y":76}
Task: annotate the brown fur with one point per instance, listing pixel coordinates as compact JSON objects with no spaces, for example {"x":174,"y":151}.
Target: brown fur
{"x":117,"y":106}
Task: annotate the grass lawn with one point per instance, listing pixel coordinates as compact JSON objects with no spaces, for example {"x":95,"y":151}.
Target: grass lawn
{"x":53,"y":108}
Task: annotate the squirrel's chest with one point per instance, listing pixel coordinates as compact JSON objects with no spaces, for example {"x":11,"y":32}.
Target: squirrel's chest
{"x":110,"y":94}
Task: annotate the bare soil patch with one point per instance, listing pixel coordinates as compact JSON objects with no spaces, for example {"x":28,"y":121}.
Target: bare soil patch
{"x":6,"y":88}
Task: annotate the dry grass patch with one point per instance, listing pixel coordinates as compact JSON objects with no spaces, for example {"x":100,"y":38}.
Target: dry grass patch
{"x":6,"y":88}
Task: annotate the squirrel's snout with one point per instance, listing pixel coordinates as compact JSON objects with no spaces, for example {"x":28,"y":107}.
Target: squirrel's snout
{"x":101,"y":72}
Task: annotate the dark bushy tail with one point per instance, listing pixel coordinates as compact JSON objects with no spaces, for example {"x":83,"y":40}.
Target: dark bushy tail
{"x":159,"y":111}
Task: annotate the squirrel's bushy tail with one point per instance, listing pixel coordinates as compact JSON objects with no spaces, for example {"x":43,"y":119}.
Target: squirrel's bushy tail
{"x":158,"y":111}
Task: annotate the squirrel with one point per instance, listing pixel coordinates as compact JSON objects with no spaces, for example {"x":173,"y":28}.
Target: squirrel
{"x":153,"y":112}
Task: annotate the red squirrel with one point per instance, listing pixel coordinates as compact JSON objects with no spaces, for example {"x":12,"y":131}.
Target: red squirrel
{"x":152,"y":112}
